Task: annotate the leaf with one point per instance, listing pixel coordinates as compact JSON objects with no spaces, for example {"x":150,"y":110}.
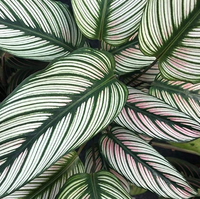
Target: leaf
{"x":185,"y":168}
{"x":148,"y":115}
{"x":192,"y":146}
{"x":89,"y":160}
{"x":129,"y":58}
{"x":95,"y":186}
{"x":40,"y":30}
{"x":48,"y":184}
{"x":135,"y":159}
{"x":184,"y":96}
{"x":54,"y":111}
{"x":112,"y":21}
{"x":170,"y":31}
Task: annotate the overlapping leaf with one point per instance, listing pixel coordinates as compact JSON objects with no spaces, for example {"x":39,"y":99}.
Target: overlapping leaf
{"x":141,"y":164}
{"x":112,"y":21}
{"x":34,"y":29}
{"x":129,"y":58}
{"x":146,"y":114}
{"x":54,"y":111}
{"x":170,"y":30}
{"x":95,"y":186}
{"x":183,"y":96}
{"x":48,"y":184}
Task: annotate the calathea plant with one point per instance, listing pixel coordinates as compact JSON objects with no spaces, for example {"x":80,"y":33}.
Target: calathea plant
{"x":141,"y":81}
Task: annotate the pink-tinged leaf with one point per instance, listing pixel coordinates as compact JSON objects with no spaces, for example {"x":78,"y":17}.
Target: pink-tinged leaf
{"x":184,"y":96}
{"x":135,"y":159}
{"x":148,"y":115}
{"x":90,"y":156}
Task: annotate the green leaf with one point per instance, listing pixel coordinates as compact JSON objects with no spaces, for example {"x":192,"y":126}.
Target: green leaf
{"x":40,"y":30}
{"x":170,"y":31}
{"x":112,"y":21}
{"x":192,"y":146}
{"x":48,"y":184}
{"x":182,"y":95}
{"x":135,"y":159}
{"x":55,"y":111}
{"x":95,"y":186}
{"x":148,"y":115}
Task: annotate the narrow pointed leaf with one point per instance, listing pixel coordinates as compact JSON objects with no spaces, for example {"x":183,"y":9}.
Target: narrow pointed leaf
{"x":48,"y":184}
{"x":142,"y":165}
{"x":34,"y":29}
{"x":129,"y":58}
{"x":146,"y":114}
{"x":170,"y":31}
{"x":95,"y":186}
{"x":55,"y":111}
{"x":112,"y":21}
{"x":184,"y":96}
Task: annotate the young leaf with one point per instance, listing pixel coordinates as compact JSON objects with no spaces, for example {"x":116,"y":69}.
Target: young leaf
{"x":98,"y":185}
{"x":40,"y":30}
{"x":142,"y":165}
{"x":148,"y":115}
{"x":55,"y":111}
{"x":112,"y":21}
{"x":48,"y":184}
{"x":170,"y":31}
{"x":184,"y":96}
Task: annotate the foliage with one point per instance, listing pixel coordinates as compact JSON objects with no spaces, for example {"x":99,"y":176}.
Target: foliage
{"x":63,"y":99}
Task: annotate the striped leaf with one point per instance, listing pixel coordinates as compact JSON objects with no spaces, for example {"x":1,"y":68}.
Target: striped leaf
{"x":170,"y":31}
{"x":93,"y":160}
{"x":148,"y":115}
{"x":112,"y":21}
{"x":142,"y":165}
{"x":182,"y":95}
{"x":95,"y":186}
{"x":55,"y":111}
{"x":129,"y":58}
{"x":34,"y":29}
{"x":48,"y":184}
{"x":185,"y":168}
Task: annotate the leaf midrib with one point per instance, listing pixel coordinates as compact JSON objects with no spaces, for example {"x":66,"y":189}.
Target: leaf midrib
{"x":42,"y":129}
{"x":177,"y":37}
{"x":45,"y":36}
{"x":137,"y":159}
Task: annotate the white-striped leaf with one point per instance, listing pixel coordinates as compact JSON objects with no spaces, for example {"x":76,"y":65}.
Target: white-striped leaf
{"x":49,"y":183}
{"x":142,"y":165}
{"x":93,"y":161}
{"x":55,"y":111}
{"x":34,"y":29}
{"x":100,"y":185}
{"x":129,"y":58}
{"x":99,"y":164}
{"x":146,"y":114}
{"x":112,"y":21}
{"x":183,"y":96}
{"x":170,"y":30}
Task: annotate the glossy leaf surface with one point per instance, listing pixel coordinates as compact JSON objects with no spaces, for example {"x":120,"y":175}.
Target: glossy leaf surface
{"x":34,"y":29}
{"x":142,"y":165}
{"x":148,"y":115}
{"x":48,"y":184}
{"x":170,"y":31}
{"x":112,"y":21}
{"x":100,"y":185}
{"x":55,"y":111}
